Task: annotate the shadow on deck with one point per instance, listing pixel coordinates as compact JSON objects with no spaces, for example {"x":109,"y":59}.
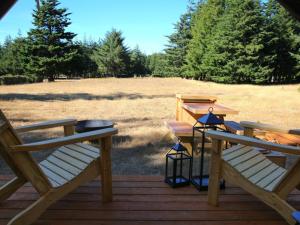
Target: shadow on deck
{"x":147,"y":200}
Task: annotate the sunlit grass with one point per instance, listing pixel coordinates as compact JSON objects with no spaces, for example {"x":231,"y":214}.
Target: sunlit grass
{"x":140,"y":106}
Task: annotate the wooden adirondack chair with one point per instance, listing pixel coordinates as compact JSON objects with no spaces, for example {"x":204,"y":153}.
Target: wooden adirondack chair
{"x":246,"y":167}
{"x":70,"y":165}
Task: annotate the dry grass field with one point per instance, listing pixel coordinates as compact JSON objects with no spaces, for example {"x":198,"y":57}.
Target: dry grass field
{"x":140,"y":106}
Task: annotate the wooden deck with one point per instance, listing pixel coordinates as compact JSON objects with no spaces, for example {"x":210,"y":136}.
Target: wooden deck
{"x":147,"y":200}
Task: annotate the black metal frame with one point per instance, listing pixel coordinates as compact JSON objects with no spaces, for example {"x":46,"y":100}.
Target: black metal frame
{"x":181,"y":180}
{"x":200,"y":181}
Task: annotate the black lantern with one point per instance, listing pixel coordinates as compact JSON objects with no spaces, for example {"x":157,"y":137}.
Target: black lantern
{"x":178,"y":166}
{"x":199,"y":177}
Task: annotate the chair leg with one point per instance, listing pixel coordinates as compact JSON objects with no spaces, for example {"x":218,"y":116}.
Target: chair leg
{"x":11,"y":187}
{"x":281,"y":206}
{"x":34,"y":211}
{"x":215,"y":174}
{"x":105,"y":166}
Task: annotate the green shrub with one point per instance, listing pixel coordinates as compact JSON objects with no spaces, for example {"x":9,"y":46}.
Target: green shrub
{"x":17,"y":79}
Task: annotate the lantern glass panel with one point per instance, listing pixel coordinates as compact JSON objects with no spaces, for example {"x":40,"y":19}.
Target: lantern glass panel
{"x":200,"y":180}
{"x":178,"y":165}
{"x":201,"y":154}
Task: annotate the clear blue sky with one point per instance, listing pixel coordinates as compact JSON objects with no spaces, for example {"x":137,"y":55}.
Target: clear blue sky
{"x":143,"y":22}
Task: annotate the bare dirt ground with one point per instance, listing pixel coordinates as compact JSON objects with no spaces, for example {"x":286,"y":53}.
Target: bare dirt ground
{"x":140,"y":106}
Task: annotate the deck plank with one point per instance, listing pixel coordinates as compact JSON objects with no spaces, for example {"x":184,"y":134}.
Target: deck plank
{"x":147,"y":200}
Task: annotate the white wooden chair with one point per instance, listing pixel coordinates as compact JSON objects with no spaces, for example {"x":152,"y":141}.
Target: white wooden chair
{"x":70,"y":165}
{"x":246,"y":167}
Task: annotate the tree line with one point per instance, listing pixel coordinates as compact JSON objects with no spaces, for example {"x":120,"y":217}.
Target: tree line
{"x":49,"y":51}
{"x":234,"y":41}
{"x":228,"y":41}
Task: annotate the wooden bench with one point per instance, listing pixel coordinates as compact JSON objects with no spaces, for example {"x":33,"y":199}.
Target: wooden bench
{"x":180,"y":129}
{"x":234,"y":127}
{"x":183,"y":131}
{"x":284,"y":139}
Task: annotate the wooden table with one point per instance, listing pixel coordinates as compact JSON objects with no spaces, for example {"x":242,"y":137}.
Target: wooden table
{"x":192,"y":111}
{"x":202,"y":108}
{"x":190,"y":107}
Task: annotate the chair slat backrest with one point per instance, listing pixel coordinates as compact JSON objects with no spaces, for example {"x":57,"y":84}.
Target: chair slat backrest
{"x":22,"y":163}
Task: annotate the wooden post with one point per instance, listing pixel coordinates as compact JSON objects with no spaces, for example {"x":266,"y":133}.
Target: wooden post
{"x":178,"y":109}
{"x":106,"y":177}
{"x":249,"y":132}
{"x":69,"y":130}
{"x":215,"y":172}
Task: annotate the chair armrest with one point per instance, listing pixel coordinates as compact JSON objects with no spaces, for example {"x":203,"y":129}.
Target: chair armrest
{"x":252,"y":142}
{"x":46,"y":125}
{"x":268,"y":127}
{"x":58,"y":142}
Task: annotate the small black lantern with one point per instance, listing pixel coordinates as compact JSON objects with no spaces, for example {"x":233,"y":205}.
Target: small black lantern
{"x":178,"y":166}
{"x":199,"y":178}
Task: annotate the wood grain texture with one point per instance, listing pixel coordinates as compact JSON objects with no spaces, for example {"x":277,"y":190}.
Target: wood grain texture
{"x":60,"y":169}
{"x":47,"y":125}
{"x":234,"y":127}
{"x":179,"y":128}
{"x":253,"y":142}
{"x":253,"y":171}
{"x":195,"y":98}
{"x":57,"y":142}
{"x":105,"y":166}
{"x":135,"y":204}
{"x":268,"y":127}
{"x":63,"y":171}
{"x":215,"y":173}
{"x":202,"y":108}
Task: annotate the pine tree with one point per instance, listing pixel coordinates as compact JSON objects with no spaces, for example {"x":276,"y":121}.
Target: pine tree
{"x":157,"y":64}
{"x":249,"y":54}
{"x":82,"y":65}
{"x":138,"y":62}
{"x":112,"y":57}
{"x":51,"y":46}
{"x":235,"y":53}
{"x":13,"y":57}
{"x":203,"y":27}
{"x":218,"y":58}
{"x":278,"y":43}
{"x":177,"y":47}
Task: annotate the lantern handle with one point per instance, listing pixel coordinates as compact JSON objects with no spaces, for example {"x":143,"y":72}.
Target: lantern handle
{"x":210,"y":109}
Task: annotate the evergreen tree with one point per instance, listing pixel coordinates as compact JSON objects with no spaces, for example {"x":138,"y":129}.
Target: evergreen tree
{"x":51,"y":46}
{"x":278,"y":43}
{"x":13,"y":57}
{"x":82,"y":65}
{"x":176,"y":50}
{"x":112,"y":57}
{"x":203,"y":21}
{"x":249,"y":53}
{"x":246,"y":62}
{"x":138,"y":62}
{"x":295,"y":47}
{"x":288,"y":36}
{"x":234,"y":49}
{"x":157,"y":64}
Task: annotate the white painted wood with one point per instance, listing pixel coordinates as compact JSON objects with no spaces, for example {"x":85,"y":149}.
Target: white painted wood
{"x":84,"y":151}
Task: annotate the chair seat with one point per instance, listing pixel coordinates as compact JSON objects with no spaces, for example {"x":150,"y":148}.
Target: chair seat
{"x":67,"y":162}
{"x":254,"y":166}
